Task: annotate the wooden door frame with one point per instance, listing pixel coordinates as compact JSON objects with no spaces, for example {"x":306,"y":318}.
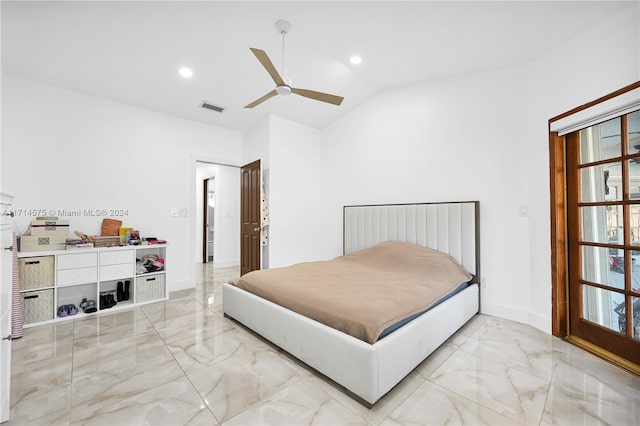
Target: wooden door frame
{"x":560,"y":319}
{"x":558,"y":207}
{"x":205,"y":216}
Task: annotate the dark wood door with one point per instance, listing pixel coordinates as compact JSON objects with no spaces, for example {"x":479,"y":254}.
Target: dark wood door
{"x":250,"y":217}
{"x":205,"y":220}
{"x":603,"y":217}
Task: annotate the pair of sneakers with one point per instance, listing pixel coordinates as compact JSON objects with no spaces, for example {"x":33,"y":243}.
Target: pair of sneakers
{"x":88,"y":306}
{"x":66,"y":310}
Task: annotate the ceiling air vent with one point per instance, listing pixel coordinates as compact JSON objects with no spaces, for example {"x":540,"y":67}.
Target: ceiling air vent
{"x":209,"y":105}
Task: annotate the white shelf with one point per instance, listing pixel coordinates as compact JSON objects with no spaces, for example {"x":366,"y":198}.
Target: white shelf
{"x":87,"y":250}
{"x":148,"y":274}
{"x":66,"y":293}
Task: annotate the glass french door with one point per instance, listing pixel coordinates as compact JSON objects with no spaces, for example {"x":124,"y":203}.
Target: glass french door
{"x":603,"y":218}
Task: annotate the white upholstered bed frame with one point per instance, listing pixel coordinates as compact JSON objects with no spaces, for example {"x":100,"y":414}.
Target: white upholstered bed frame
{"x":370,"y":370}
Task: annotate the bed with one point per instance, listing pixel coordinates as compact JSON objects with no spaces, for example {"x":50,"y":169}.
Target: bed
{"x":370,"y":370}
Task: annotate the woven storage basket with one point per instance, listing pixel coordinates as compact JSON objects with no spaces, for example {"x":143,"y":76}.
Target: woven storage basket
{"x":149,"y":288}
{"x":37,"y":305}
{"x":36,"y":272}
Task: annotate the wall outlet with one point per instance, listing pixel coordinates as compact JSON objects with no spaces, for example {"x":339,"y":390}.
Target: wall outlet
{"x":173,"y":212}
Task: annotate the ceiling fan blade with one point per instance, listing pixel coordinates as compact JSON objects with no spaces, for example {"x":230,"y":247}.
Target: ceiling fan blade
{"x":269,"y":95}
{"x":268,"y":65}
{"x":319,"y":96}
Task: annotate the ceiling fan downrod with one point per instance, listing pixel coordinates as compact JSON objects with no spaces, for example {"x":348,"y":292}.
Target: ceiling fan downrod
{"x":283,"y":27}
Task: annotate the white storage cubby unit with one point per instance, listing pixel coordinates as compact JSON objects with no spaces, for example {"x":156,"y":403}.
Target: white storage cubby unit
{"x":51,"y":279}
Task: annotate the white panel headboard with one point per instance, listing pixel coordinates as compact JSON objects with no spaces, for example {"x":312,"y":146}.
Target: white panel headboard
{"x":452,"y":228}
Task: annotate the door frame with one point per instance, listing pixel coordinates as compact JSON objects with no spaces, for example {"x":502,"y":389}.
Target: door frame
{"x":205,"y":219}
{"x":560,"y":326}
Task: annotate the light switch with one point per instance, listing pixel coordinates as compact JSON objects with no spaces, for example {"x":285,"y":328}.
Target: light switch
{"x":523,"y":210}
{"x":174,"y":212}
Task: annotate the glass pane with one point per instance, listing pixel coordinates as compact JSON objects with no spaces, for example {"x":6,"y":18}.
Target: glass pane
{"x":600,"y":142}
{"x":634,"y":178}
{"x":602,"y":182}
{"x":603,"y":307}
{"x":635,"y":269}
{"x":633,"y":126}
{"x":602,"y":224}
{"x":603,"y":266}
{"x":636,"y":317}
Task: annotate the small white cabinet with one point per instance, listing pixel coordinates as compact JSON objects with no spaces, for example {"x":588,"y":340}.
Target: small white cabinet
{"x":86,"y":273}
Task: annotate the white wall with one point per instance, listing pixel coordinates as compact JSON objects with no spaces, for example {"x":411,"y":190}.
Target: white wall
{"x":481,"y":137}
{"x":66,"y":150}
{"x":292,"y":173}
{"x":443,"y":141}
{"x":297,"y":230}
{"x":227,"y":218}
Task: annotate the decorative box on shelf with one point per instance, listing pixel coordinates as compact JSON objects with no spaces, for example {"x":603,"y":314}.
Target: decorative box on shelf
{"x":45,"y":227}
{"x":29,"y":243}
{"x":107,"y":241}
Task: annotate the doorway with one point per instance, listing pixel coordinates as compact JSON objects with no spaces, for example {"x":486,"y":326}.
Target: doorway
{"x":217,"y":215}
{"x":594,"y":153}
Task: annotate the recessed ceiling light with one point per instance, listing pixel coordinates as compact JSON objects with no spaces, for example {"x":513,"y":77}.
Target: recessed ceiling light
{"x":355,"y":60}
{"x":185,"y":72}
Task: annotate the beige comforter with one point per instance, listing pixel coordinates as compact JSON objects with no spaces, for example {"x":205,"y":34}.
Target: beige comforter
{"x":362,"y":293}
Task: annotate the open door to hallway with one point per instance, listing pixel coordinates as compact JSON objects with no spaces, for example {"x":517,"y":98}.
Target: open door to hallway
{"x":250,"y":182}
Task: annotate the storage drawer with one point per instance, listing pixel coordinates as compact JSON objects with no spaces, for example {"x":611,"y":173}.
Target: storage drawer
{"x":149,"y":288}
{"x":79,"y":260}
{"x":37,"y":306}
{"x":77,"y":276}
{"x":117,"y":256}
{"x":36,"y":272}
{"x":115,"y":272}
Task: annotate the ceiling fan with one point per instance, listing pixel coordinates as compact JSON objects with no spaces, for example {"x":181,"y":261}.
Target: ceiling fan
{"x":284,"y":88}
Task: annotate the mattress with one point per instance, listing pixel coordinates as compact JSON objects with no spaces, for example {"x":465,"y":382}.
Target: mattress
{"x":407,"y":320}
{"x":366,"y":293}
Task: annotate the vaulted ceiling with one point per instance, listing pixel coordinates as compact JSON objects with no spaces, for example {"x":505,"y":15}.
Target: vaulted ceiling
{"x":131,"y":51}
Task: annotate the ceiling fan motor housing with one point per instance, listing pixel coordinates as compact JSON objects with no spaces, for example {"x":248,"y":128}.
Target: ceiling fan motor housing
{"x":283,"y":90}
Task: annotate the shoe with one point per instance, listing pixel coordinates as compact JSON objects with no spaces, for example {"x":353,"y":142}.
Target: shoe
{"x":91,"y":307}
{"x":63,"y":311}
{"x":103,"y":301}
{"x":120,"y":291}
{"x":125,"y":293}
{"x":83,"y":303}
{"x":109,"y":301}
{"x":72,"y":309}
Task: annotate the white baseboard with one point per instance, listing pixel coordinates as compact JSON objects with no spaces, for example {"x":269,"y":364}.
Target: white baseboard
{"x":179,"y":285}
{"x":225,"y":263}
{"x":514,"y":314}
{"x":540,"y":322}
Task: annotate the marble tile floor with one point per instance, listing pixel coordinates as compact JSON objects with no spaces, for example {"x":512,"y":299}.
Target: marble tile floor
{"x":181,"y":362}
